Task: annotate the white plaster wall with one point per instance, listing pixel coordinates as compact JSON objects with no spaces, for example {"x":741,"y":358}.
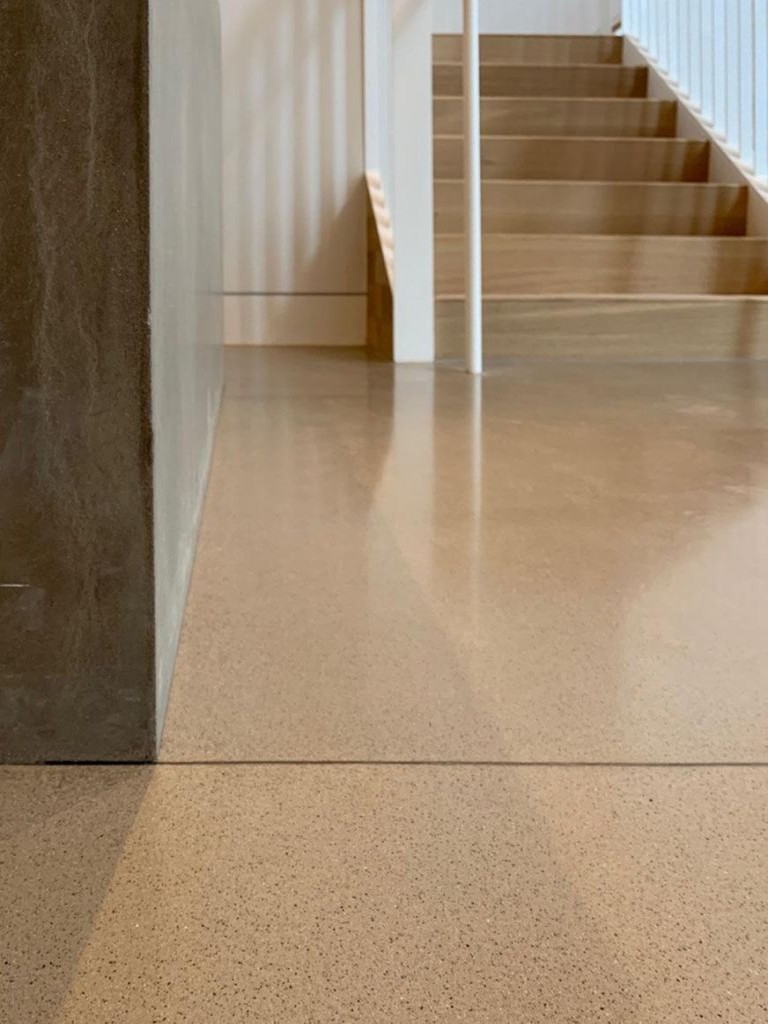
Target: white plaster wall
{"x":379,"y":91}
{"x":412,"y":212}
{"x":185,"y":299}
{"x":294,"y":209}
{"x":577,"y":17}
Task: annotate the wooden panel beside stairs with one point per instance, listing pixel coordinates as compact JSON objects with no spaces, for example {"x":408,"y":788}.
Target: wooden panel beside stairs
{"x":381,"y":272}
{"x":603,"y":233}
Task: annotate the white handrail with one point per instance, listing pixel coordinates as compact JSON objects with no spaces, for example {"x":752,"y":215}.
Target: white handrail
{"x":716,"y":51}
{"x":473,"y":228}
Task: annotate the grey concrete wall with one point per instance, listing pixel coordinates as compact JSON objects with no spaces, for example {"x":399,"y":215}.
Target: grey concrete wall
{"x":105,"y":422}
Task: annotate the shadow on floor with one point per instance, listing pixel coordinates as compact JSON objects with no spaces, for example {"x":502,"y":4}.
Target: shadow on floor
{"x":61,"y":841}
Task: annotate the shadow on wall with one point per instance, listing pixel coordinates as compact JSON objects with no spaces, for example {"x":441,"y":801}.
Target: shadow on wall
{"x":294,"y":206}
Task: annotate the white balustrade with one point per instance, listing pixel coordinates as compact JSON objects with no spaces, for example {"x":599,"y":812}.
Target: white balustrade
{"x":716,"y":53}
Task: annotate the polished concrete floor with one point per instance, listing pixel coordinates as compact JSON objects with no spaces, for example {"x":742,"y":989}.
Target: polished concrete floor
{"x":470,"y":718}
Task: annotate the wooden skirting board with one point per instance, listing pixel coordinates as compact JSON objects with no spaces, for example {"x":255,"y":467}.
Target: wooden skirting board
{"x":380,"y":273}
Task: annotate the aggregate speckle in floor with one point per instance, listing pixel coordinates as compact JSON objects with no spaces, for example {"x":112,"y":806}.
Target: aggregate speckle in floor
{"x":187,"y":895}
{"x":559,"y":564}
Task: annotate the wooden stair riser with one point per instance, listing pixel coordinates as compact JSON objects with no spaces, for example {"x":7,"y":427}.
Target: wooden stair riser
{"x":546,"y":80}
{"x":505,"y":49}
{"x":614,"y":208}
{"x":611,"y":329}
{"x":553,"y":116}
{"x":603,"y":238}
{"x":566,"y":159}
{"x":607,"y":265}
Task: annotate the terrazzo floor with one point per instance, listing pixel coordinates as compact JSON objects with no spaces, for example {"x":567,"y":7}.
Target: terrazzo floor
{"x":469,"y":723}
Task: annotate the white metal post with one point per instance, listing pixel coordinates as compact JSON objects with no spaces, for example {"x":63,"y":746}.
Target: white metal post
{"x":473,"y":226}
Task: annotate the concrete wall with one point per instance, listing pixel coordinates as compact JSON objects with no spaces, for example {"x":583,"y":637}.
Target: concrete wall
{"x":531,"y":16}
{"x":105,"y":421}
{"x":294,"y":206}
{"x":76,"y":598}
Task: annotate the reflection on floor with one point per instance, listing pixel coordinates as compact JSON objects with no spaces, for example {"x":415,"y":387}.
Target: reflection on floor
{"x":562,"y":569}
{"x":561,"y":563}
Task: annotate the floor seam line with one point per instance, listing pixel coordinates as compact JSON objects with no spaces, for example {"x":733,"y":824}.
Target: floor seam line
{"x":300,"y":763}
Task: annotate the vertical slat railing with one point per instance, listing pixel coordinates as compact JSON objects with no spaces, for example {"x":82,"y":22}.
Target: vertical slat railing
{"x":746,"y":144}
{"x":716,"y":52}
{"x":732,"y":58}
{"x":720,"y":96}
{"x":696,"y":41}
{"x":707,"y":60}
{"x":761,"y":90}
{"x":473,"y":228}
{"x":673,"y":18}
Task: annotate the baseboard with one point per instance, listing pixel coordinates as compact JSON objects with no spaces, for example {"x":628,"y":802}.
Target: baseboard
{"x":284,"y":320}
{"x":725,"y":166}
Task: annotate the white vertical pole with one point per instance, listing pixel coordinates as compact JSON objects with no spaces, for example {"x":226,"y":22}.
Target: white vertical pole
{"x":473,"y":228}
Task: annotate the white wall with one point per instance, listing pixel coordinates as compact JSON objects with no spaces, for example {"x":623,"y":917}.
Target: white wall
{"x":294,"y":210}
{"x":185,"y":262}
{"x":412,"y":213}
{"x":578,"y":17}
{"x":379,"y":91}
{"x":294,"y":130}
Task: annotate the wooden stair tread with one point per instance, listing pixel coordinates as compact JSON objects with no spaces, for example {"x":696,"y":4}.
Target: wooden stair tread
{"x":602,"y":235}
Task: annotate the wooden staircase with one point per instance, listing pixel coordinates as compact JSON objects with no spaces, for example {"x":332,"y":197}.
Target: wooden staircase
{"x":603,"y":234}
